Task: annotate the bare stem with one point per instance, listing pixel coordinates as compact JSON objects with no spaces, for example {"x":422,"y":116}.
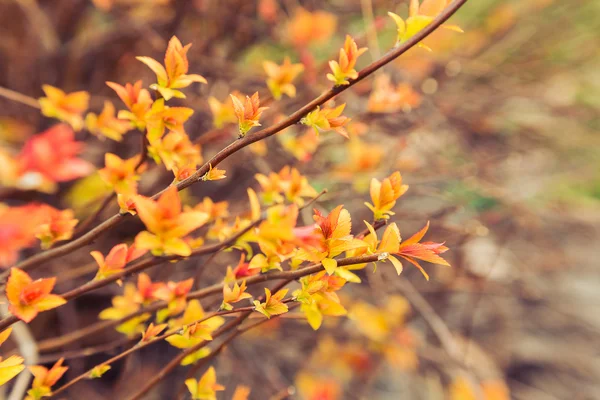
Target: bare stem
{"x":19,"y":97}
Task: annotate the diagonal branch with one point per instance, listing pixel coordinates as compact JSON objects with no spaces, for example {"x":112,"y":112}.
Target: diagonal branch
{"x":36,"y":260}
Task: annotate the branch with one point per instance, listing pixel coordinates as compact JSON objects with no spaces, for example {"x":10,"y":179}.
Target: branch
{"x":19,"y":97}
{"x":217,"y":288}
{"x":228,"y":340}
{"x":177,"y":360}
{"x":83,"y":227}
{"x":142,"y":345}
{"x":140,"y":266}
{"x":53,"y":343}
{"x":239,"y":144}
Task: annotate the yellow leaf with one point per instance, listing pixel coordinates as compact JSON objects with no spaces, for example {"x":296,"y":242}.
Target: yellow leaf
{"x":10,"y":368}
{"x":330,"y":265}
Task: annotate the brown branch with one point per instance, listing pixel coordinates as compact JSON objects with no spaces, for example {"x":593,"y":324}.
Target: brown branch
{"x":239,"y":144}
{"x":140,"y":266}
{"x":177,"y":360}
{"x":142,"y":345}
{"x":83,"y":227}
{"x":54,"y":343}
{"x":85,"y":352}
{"x":19,"y":97}
{"x":435,"y":322}
{"x":195,"y":368}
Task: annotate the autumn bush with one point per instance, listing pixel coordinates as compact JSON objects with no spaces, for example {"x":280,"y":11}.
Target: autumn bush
{"x":285,"y":263}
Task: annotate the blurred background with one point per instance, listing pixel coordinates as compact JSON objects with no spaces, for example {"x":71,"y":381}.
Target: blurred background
{"x":495,"y":131}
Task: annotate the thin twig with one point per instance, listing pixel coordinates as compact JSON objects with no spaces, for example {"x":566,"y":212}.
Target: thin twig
{"x":217,"y":288}
{"x":142,"y":345}
{"x":136,"y":268}
{"x":437,"y":324}
{"x":19,"y":97}
{"x":85,"y":225}
{"x":177,"y":360}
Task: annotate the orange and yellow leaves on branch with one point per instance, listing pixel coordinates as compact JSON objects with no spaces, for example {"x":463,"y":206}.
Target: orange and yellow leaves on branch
{"x":419,"y":16}
{"x":343,"y":69}
{"x":44,"y":379}
{"x":98,"y":371}
{"x":280,"y":77}
{"x":20,"y":227}
{"x":65,"y":107}
{"x":174,"y":293}
{"x":213,"y":209}
{"x":389,"y":244}
{"x":175,"y":151}
{"x":275,"y":237}
{"x":384,"y":195}
{"x":387,"y":98}
{"x":190,"y":336}
{"x":27,"y":297}
{"x":137,"y":100}
{"x":327,"y":119}
{"x":332,"y":234}
{"x":166,"y":224}
{"x":174,"y":74}
{"x":234,"y":294}
{"x":242,"y":270}
{"x":288,"y":185}
{"x":46,"y":159}
{"x":121,"y":175}
{"x":152,"y":331}
{"x":318,"y":298}
{"x":193,"y":332}
{"x":116,"y":259}
{"x":194,"y":313}
{"x":206,"y":388}
{"x":57,"y":225}
{"x":214,"y":174}
{"x":106,"y":124}
{"x":306,"y":28}
{"x":222,"y":112}
{"x":248,"y":112}
{"x":162,"y":116}
{"x":13,"y":365}
{"x":273,"y":304}
{"x":124,"y":305}
{"x":412,"y":250}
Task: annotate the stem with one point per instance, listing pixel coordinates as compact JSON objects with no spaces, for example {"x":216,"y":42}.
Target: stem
{"x":217,"y":288}
{"x":19,"y":97}
{"x":142,"y":345}
{"x":90,"y":220}
{"x":177,"y":360}
{"x":140,"y":266}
